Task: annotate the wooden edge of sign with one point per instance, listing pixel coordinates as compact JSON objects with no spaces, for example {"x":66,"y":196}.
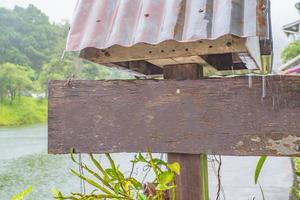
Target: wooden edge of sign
{"x":238,"y":116}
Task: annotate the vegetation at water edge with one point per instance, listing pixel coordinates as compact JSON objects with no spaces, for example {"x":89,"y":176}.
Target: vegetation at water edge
{"x":25,"y":110}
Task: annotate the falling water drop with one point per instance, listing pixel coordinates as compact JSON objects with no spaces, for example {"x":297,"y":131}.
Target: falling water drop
{"x":263,"y":86}
{"x":250,"y":80}
{"x":263,"y":95}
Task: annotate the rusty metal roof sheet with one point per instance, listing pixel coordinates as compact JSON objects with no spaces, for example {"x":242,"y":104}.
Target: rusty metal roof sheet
{"x":105,"y":23}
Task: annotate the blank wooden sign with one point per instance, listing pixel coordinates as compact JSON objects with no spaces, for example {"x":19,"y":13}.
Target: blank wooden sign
{"x":214,"y":116}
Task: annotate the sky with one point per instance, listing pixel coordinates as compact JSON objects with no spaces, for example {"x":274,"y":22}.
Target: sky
{"x":283,"y":12}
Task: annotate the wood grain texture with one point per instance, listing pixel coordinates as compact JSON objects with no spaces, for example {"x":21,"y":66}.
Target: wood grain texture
{"x":189,"y":181}
{"x":190,"y":164}
{"x":183,"y":72}
{"x":212,"y":116}
{"x":167,"y":49}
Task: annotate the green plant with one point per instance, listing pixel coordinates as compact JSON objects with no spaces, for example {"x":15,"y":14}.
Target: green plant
{"x":258,"y":169}
{"x":22,"y":194}
{"x":111,"y":183}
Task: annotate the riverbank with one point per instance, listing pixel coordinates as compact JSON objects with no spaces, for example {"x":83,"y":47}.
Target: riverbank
{"x":23,"y":111}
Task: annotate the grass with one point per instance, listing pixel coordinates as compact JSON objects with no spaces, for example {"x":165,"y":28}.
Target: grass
{"x":23,"y":111}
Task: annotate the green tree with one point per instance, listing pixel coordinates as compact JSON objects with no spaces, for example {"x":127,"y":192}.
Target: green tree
{"x":71,"y":66}
{"x":291,"y":51}
{"x":28,"y":38}
{"x":15,"y":80}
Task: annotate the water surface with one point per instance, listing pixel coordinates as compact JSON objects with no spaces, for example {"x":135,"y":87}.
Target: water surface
{"x":24,"y":162}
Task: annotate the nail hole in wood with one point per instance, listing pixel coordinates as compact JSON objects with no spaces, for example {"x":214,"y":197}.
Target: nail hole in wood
{"x":210,"y":46}
{"x":150,"y":51}
{"x":186,"y":49}
{"x":228,"y":44}
{"x":162,"y":51}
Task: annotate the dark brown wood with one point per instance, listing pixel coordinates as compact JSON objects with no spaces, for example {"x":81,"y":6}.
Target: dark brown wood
{"x":188,"y":184}
{"x":183,"y":72}
{"x":141,"y":66}
{"x":266,"y":47}
{"x":227,"y":61}
{"x":212,"y":116}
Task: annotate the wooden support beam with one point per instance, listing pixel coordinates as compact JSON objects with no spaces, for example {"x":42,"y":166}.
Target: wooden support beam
{"x":227,"y":61}
{"x":141,"y":66}
{"x":190,"y":179}
{"x":167,"y":49}
{"x":183,"y":72}
{"x":214,"y":116}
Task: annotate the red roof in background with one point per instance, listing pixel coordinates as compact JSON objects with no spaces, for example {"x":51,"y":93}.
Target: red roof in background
{"x":294,"y":70}
{"x":104,"y":23}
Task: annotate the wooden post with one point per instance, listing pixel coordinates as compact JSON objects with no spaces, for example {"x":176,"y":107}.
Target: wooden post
{"x":192,"y":184}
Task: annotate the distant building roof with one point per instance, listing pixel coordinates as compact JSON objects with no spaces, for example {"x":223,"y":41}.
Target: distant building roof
{"x":292,"y":28}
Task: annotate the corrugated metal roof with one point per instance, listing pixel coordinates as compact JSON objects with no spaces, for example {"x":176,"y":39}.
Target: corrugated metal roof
{"x":104,"y":23}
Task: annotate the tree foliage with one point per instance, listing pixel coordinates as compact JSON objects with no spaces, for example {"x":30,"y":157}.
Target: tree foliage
{"x":15,"y":80}
{"x":291,"y":51}
{"x":28,"y":38}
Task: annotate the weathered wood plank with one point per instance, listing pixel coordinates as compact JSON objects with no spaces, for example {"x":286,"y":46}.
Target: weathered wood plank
{"x":167,"y":49}
{"x":190,"y":163}
{"x":189,"y":181}
{"x":212,"y":116}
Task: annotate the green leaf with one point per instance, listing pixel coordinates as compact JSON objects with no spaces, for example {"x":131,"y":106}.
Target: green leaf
{"x":259,"y":166}
{"x":163,"y":187}
{"x":142,"y":197}
{"x":110,"y":172}
{"x":141,"y":158}
{"x":174,"y":167}
{"x":117,"y":188}
{"x":159,"y":161}
{"x":98,"y":165}
{"x":91,"y":182}
{"x":56,"y":194}
{"x":22,"y":194}
{"x":135,"y":183}
{"x":72,"y":151}
{"x":165,"y":178}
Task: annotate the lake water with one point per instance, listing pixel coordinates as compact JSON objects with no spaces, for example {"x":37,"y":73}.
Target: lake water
{"x":24,"y":162}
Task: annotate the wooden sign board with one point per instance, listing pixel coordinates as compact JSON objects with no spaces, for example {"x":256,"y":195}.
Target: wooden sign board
{"x":214,"y":116}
